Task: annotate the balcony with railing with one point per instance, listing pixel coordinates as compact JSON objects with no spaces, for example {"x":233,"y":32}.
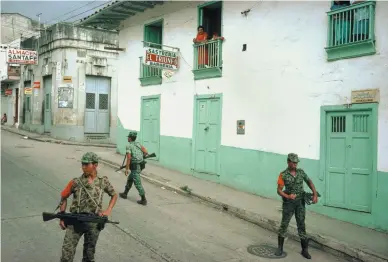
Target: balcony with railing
{"x":208,"y":59}
{"x":351,"y":31}
{"x":149,"y":75}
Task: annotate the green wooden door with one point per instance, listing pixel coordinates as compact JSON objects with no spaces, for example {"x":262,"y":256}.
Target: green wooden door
{"x":150,"y":125}
{"x":207,"y":135}
{"x":349,"y":160}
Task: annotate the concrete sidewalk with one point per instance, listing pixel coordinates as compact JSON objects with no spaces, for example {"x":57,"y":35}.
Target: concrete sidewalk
{"x":340,"y":238}
{"x":47,"y":138}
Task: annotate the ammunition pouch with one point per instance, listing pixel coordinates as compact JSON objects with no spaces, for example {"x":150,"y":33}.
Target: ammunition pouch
{"x":134,"y":166}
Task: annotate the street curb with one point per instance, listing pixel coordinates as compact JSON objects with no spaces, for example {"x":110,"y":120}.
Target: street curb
{"x":56,"y":141}
{"x":321,"y":242}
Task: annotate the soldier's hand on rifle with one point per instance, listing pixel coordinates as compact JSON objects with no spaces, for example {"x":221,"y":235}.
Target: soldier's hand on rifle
{"x":315,"y":199}
{"x":62,"y":224}
{"x":105,"y":213}
{"x":292,"y":196}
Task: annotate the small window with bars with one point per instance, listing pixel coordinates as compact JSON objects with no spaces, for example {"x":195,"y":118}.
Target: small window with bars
{"x":47,"y":101}
{"x":360,"y":123}
{"x":90,"y":100}
{"x":103,"y":101}
{"x":28,"y":103}
{"x":338,"y":124}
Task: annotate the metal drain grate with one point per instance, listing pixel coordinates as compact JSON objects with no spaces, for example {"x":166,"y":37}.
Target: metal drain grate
{"x":265,"y":251}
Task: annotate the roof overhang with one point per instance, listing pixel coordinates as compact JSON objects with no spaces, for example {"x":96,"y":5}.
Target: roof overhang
{"x":110,"y":16}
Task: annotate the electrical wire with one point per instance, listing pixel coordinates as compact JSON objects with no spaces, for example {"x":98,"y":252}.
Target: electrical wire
{"x":32,"y":33}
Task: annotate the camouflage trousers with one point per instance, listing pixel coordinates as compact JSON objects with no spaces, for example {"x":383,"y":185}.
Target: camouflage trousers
{"x":134,"y":178}
{"x":72,"y":237}
{"x":291,"y":207}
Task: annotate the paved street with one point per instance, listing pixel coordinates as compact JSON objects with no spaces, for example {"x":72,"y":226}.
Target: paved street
{"x":171,"y":228}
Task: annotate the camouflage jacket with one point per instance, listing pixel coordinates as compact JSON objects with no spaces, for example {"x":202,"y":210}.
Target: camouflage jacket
{"x":134,"y":148}
{"x":82,"y":202}
{"x":294,"y":184}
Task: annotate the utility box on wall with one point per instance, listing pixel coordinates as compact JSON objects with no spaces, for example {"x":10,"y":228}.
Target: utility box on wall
{"x":240,"y":127}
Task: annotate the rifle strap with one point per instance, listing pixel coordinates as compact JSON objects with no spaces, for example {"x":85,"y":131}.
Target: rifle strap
{"x":87,"y":192}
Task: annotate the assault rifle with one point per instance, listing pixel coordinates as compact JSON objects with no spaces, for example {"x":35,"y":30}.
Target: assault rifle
{"x":76,"y":219}
{"x":142,"y":164}
{"x":308,"y":197}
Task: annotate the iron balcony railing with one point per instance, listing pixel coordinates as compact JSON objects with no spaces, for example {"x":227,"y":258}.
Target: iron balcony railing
{"x":148,"y":71}
{"x":208,"y":54}
{"x":351,"y":24}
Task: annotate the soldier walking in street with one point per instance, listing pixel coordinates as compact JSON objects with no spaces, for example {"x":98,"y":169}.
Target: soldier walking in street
{"x":87,"y":193}
{"x":135,"y":156}
{"x":293,"y":202}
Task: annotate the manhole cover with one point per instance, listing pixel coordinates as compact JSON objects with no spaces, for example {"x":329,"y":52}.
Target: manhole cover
{"x":265,"y":250}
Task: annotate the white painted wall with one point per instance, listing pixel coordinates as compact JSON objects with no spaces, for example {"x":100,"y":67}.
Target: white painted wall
{"x":278,"y":85}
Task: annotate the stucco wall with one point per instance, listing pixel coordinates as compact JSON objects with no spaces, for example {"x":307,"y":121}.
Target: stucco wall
{"x":279,"y":83}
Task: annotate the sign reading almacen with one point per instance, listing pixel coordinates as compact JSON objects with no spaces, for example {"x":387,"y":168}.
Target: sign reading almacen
{"x":22,"y":57}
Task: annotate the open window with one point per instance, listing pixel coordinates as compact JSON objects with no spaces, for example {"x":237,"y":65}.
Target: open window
{"x":210,"y":18}
{"x":208,"y":54}
{"x":153,"y":37}
{"x":153,"y":33}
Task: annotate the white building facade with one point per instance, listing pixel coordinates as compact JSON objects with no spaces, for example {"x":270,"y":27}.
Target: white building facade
{"x":281,"y":81}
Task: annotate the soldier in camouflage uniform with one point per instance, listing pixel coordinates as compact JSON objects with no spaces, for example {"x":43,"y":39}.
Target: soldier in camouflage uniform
{"x":135,"y":155}
{"x":87,"y":191}
{"x":293,"y":202}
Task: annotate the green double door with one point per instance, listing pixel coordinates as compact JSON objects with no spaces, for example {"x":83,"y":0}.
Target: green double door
{"x":349,"y":160}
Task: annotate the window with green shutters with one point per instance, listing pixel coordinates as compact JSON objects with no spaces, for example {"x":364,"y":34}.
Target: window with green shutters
{"x":153,"y":37}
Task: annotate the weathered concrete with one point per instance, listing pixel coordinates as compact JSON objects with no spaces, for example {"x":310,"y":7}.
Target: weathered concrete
{"x":170,"y":228}
{"x":75,"y":52}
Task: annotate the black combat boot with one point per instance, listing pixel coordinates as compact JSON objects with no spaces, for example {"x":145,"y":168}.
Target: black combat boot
{"x":279,"y":251}
{"x":143,"y":200}
{"x":125,"y":193}
{"x":305,"y":245}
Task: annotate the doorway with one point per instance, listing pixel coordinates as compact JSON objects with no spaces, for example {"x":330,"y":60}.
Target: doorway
{"x":47,"y":85}
{"x":150,"y":124}
{"x":350,"y":158}
{"x":207,"y":134}
{"x":97,"y":105}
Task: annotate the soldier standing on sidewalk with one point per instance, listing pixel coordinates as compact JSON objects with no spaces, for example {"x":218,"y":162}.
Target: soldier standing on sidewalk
{"x":135,"y":155}
{"x":293,"y":202}
{"x":87,"y":193}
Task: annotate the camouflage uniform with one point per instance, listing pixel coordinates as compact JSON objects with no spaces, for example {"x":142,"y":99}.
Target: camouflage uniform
{"x":82,"y":203}
{"x":293,"y":185}
{"x":137,"y":156}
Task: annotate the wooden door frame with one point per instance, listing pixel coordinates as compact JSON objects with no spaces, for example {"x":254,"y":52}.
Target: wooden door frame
{"x":142,"y":99}
{"x":373,"y":108}
{"x":195,"y":118}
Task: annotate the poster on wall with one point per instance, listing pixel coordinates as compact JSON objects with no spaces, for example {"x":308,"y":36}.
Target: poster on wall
{"x":65,"y":96}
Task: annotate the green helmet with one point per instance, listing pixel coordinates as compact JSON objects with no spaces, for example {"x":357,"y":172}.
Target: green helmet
{"x":89,"y":157}
{"x":132,"y":133}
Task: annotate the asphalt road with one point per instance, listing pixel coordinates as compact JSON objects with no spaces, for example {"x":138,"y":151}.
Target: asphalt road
{"x":170,"y":228}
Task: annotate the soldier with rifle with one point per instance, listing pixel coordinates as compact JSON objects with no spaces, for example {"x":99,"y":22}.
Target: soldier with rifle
{"x":135,"y":154}
{"x":294,"y":202}
{"x":87,"y":191}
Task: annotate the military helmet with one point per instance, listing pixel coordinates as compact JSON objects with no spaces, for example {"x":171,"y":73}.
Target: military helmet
{"x":89,"y":157}
{"x":132,"y":133}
